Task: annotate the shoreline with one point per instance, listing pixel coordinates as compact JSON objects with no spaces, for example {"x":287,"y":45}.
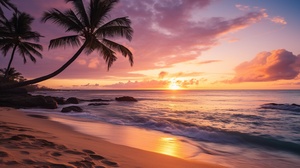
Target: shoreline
{"x":30,"y":141}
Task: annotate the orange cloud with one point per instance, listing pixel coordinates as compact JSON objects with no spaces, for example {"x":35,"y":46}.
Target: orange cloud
{"x":279,"y":20}
{"x":162,"y":74}
{"x":268,"y":66}
{"x":155,"y":84}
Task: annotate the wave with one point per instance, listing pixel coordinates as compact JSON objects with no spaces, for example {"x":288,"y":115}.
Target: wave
{"x":205,"y":133}
{"x":287,"y":107}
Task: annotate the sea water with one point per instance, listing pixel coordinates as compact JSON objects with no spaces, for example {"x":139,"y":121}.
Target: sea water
{"x":240,"y":128}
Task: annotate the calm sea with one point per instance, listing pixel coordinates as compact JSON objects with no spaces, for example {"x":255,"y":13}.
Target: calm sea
{"x":237,"y":128}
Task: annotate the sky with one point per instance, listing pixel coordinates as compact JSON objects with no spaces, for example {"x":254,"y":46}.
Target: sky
{"x":180,"y":44}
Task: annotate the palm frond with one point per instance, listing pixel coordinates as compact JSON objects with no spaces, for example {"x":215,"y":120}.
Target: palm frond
{"x":35,"y":36}
{"x":107,"y":54}
{"x":65,"y":41}
{"x":7,"y":4}
{"x":119,"y":27}
{"x":25,"y":52}
{"x":32,"y":48}
{"x":79,"y":26}
{"x":120,"y":48}
{"x":21,"y":22}
{"x":93,"y":44}
{"x":99,"y":11}
{"x":61,"y":19}
{"x":5,"y":48}
{"x":81,"y":12}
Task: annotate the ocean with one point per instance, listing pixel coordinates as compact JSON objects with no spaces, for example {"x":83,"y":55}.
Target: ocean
{"x":235,"y":128}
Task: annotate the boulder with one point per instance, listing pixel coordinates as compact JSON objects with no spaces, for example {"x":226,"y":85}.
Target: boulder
{"x":60,"y":100}
{"x":98,"y":104}
{"x":72,"y":100}
{"x":71,"y":108}
{"x":126,"y":98}
{"x":50,"y":103}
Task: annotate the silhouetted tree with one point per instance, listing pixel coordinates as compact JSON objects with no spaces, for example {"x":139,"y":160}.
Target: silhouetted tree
{"x":90,"y":28}
{"x":12,"y":76}
{"x":16,"y":35}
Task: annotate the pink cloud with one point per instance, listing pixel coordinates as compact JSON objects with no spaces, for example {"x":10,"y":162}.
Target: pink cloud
{"x":268,"y":66}
{"x":162,"y":74}
{"x":154,"y":84}
{"x":279,"y":20}
{"x":208,"y":62}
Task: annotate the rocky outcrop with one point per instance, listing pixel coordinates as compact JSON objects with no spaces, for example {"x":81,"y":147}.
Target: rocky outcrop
{"x":126,"y":98}
{"x":71,"y":108}
{"x":72,"y":100}
{"x":27,"y":101}
{"x":60,"y":100}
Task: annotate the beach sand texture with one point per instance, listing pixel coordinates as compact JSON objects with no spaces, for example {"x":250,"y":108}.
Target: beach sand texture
{"x":35,"y":141}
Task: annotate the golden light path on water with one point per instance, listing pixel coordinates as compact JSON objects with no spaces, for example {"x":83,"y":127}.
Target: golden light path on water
{"x":153,"y":141}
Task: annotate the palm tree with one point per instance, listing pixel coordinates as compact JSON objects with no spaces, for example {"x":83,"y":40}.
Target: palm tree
{"x":16,"y":32}
{"x":12,"y":76}
{"x":91,"y":30}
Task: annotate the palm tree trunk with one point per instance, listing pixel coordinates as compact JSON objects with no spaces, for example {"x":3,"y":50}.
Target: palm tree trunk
{"x":51,"y":75}
{"x":9,"y":64}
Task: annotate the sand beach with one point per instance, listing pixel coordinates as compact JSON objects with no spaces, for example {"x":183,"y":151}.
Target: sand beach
{"x":31,"y":140}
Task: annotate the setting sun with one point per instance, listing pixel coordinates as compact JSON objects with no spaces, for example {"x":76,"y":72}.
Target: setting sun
{"x":174,"y":86}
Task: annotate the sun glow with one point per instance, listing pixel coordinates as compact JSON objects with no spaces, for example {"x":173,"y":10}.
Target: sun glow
{"x":174,"y":86}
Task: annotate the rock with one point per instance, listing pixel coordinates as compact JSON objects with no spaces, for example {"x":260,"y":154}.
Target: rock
{"x":126,"y":98}
{"x":98,"y":104}
{"x":50,"y":103}
{"x":28,"y":101}
{"x":72,"y":100}
{"x":60,"y":100}
{"x":71,"y":108}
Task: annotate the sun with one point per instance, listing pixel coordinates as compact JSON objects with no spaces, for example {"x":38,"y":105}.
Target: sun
{"x":174,"y":86}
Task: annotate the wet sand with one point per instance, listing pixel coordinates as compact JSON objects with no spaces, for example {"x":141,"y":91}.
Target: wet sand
{"x":35,"y":141}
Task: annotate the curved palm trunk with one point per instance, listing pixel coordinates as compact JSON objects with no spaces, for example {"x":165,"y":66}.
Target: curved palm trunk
{"x":9,"y":64}
{"x":51,"y":75}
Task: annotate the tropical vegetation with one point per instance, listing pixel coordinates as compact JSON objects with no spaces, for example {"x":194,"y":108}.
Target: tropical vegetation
{"x":92,"y":33}
{"x":16,"y":36}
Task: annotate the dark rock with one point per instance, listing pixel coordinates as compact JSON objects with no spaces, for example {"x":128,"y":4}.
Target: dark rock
{"x":60,"y":100}
{"x":126,"y":98}
{"x":72,"y":100}
{"x":50,"y":103}
{"x":27,"y":101}
{"x":18,"y":91}
{"x":71,"y":108}
{"x":98,"y":104}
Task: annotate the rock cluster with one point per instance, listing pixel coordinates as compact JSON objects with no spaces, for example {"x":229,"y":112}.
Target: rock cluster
{"x":21,"y":99}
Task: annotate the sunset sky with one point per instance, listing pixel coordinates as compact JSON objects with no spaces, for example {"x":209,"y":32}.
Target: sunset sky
{"x":187,"y":44}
